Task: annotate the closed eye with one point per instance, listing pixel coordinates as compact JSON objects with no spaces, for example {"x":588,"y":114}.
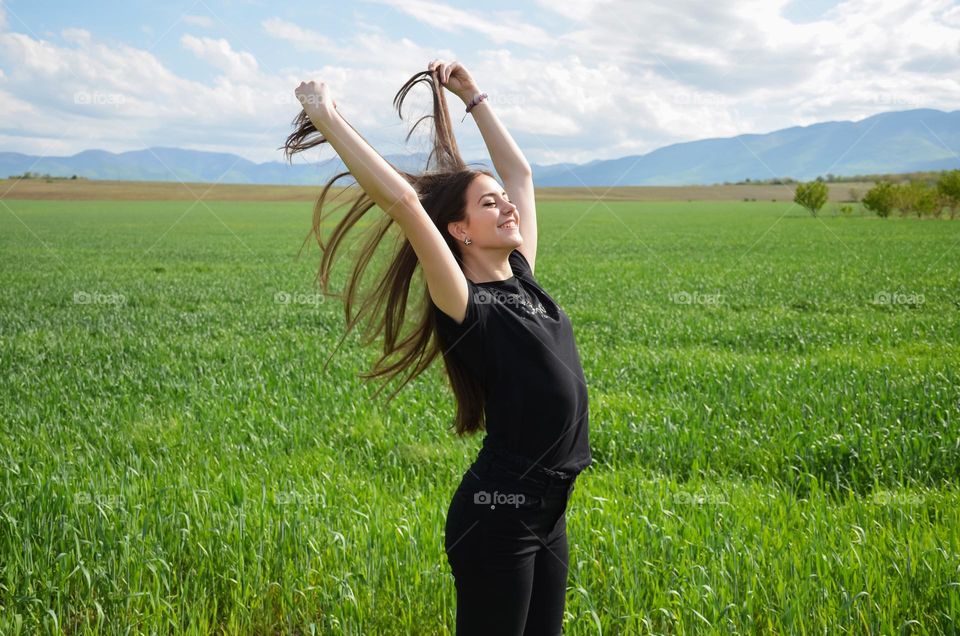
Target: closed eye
{"x":505,"y":198}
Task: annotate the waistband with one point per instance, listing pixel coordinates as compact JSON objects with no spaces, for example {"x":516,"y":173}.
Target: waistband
{"x":522,"y":465}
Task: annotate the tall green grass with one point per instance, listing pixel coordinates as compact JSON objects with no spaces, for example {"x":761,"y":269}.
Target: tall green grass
{"x":775,"y":420}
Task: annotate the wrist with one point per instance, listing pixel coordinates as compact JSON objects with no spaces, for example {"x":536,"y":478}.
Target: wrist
{"x":322,"y":117}
{"x":469,"y":93}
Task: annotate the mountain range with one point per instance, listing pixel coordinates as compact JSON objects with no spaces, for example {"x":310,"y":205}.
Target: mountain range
{"x":891,"y":142}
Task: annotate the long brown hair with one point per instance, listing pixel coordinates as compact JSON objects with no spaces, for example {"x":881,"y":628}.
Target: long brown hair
{"x":442,"y":190}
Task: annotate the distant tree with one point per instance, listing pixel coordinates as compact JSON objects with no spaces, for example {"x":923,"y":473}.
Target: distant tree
{"x":942,"y":202}
{"x":917,"y":197}
{"x":949,"y":188}
{"x":926,"y":201}
{"x":881,"y":199}
{"x":811,"y":195}
{"x":902,"y":198}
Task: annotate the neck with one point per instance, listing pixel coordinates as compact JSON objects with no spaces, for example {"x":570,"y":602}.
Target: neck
{"x":488,"y":265}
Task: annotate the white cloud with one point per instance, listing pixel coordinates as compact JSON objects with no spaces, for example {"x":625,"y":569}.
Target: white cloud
{"x":572,"y":9}
{"x":501,"y":29}
{"x":952,"y":16}
{"x":218,"y":52}
{"x":86,"y":94}
{"x":405,"y":54}
{"x":563,"y":109}
{"x":364,"y":71}
{"x":77,"y":36}
{"x":92,"y":95}
{"x":198,"y":20}
{"x":372,"y":48}
{"x":302,"y":39}
{"x":607,"y":78}
{"x":690,"y":69}
{"x":37,"y":56}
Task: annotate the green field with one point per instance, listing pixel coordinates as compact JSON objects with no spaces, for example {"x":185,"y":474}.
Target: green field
{"x":774,"y":414}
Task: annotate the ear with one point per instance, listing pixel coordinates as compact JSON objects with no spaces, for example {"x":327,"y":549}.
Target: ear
{"x":457,"y":230}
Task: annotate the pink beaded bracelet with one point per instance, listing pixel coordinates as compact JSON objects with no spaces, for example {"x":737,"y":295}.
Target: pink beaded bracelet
{"x":476,"y":99}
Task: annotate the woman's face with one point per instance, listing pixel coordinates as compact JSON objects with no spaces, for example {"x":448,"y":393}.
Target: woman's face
{"x":492,"y":219}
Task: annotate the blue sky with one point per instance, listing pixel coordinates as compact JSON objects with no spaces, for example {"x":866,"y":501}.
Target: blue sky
{"x":573,"y":80}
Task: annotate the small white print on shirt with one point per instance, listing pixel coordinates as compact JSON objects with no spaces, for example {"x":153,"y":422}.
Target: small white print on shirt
{"x":492,"y":296}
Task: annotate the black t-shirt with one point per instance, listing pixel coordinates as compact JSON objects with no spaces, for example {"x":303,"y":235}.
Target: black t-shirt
{"x":520,"y":344}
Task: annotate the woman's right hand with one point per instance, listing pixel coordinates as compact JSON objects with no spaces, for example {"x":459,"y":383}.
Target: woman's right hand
{"x":455,"y":77}
{"x":316,"y":100}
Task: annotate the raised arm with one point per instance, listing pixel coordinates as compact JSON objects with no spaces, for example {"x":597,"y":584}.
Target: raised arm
{"x":378,"y":179}
{"x":394,"y":195}
{"x":504,"y":152}
{"x":507,"y":158}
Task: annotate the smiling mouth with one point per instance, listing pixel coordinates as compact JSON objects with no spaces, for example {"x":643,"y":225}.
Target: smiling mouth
{"x":509,"y":224}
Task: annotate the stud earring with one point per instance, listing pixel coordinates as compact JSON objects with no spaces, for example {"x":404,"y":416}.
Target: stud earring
{"x":467,"y":241}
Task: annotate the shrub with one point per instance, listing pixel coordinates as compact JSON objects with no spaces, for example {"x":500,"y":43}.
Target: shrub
{"x":949,"y":188}
{"x":881,"y":199}
{"x":811,"y":195}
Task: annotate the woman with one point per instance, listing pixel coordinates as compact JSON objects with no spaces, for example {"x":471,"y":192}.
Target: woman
{"x":508,"y":349}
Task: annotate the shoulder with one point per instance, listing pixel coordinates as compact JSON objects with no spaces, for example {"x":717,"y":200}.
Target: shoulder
{"x":520,"y":265}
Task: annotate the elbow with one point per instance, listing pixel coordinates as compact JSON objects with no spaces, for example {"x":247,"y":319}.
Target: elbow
{"x":410,"y":198}
{"x":408,"y":201}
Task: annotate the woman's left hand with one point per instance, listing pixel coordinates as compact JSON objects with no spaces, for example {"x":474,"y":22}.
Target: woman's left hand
{"x":455,"y":77}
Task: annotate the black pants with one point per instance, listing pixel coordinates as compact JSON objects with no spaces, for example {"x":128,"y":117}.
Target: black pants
{"x":506,"y":542}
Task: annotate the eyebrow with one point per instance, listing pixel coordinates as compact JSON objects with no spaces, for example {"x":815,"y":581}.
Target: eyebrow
{"x":488,"y":194}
